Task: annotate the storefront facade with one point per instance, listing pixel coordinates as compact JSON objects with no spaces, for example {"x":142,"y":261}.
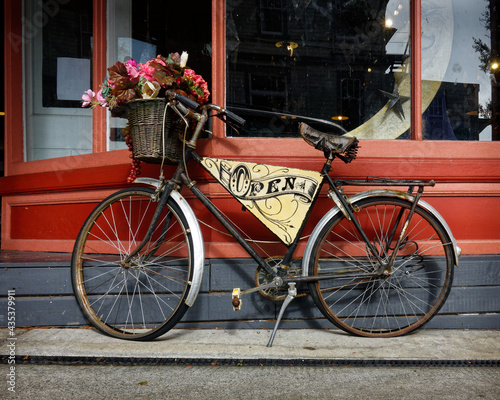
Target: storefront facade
{"x":416,"y":81}
{"x":273,"y":62}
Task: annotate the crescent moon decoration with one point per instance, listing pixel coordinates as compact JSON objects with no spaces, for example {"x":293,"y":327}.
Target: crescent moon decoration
{"x":437,"y":40}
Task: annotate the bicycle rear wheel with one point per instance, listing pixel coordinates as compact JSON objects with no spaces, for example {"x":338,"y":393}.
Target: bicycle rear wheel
{"x":361,"y":299}
{"x":144,"y":298}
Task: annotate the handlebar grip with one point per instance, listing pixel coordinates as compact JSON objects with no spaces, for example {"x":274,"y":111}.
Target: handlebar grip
{"x":234,"y":118}
{"x":193,"y":105}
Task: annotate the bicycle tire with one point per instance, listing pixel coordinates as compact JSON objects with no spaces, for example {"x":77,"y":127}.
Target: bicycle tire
{"x":378,"y":305}
{"x":145,"y":298}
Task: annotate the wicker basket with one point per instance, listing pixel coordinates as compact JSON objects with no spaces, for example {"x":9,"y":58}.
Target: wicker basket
{"x":145,"y":119}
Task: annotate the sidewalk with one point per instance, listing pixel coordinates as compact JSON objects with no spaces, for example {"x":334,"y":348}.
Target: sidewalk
{"x":184,"y":345}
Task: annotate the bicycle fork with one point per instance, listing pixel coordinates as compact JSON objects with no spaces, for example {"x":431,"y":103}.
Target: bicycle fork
{"x":164,"y":195}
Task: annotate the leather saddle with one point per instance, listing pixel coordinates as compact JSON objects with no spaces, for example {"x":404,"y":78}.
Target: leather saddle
{"x":343,"y":147}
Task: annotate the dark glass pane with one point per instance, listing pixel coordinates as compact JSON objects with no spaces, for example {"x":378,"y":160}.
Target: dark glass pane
{"x":331,"y":60}
{"x":67,"y":50}
{"x":175,"y":26}
{"x":142,"y":29}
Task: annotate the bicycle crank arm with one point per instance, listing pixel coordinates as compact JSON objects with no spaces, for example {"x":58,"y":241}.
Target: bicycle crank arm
{"x":237,"y":293}
{"x":274,"y":284}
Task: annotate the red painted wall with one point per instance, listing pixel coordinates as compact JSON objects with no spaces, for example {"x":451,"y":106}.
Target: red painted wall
{"x":45,"y":202}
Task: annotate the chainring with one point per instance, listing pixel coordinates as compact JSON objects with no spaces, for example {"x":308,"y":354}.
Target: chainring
{"x":262,"y":278}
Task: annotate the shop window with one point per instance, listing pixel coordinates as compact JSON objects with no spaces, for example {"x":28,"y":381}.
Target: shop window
{"x":140,"y":30}
{"x":58,"y":68}
{"x":344,"y":67}
{"x":460,"y":69}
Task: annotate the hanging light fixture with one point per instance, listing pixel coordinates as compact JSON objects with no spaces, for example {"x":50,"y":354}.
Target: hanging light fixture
{"x":290,"y":46}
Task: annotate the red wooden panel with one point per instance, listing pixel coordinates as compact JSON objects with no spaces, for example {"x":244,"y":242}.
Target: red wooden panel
{"x":54,"y":222}
{"x":470,"y":217}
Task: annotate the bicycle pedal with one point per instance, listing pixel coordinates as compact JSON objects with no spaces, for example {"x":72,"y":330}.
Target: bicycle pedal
{"x":236,"y":299}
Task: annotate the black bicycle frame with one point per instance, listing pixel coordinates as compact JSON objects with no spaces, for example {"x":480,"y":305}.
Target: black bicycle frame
{"x":181,"y":178}
{"x":184,"y":179}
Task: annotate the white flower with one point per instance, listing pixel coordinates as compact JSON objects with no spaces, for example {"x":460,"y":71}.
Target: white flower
{"x":150,"y":90}
{"x":184,"y":59}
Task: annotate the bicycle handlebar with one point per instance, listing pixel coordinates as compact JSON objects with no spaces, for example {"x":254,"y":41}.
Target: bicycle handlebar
{"x":222,"y":113}
{"x":236,"y":119}
{"x":193,"y":105}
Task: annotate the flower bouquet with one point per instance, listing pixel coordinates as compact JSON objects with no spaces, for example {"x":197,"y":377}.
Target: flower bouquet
{"x":137,"y":91}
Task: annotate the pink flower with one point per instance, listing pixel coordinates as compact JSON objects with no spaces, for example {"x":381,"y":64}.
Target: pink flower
{"x":146,"y":71}
{"x":189,"y":73}
{"x":132,"y":72}
{"x":87,"y":98}
{"x":159,"y":61}
{"x":101,"y":99}
{"x":196,"y":80}
{"x":131,"y":62}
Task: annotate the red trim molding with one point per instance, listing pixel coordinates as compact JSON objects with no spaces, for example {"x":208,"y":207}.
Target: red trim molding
{"x":99,"y":139}
{"x":13,"y":83}
{"x":416,"y":70}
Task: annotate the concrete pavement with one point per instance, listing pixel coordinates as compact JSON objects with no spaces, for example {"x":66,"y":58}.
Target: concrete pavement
{"x":248,"y":344}
{"x":61,"y":364}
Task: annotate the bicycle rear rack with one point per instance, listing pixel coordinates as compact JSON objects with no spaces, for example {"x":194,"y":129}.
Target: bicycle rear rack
{"x":378,"y":181}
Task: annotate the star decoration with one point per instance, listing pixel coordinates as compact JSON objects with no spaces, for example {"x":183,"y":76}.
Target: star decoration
{"x":395,"y":100}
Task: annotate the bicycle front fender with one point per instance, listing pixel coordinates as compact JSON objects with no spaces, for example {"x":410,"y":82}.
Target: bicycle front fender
{"x":198,"y":246}
{"x":374,"y":193}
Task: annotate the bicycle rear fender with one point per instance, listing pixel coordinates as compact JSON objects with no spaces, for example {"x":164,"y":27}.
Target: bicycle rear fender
{"x":198,"y":246}
{"x":374,"y":193}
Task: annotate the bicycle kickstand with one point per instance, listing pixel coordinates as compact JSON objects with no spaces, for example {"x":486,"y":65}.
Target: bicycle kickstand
{"x":292,"y":292}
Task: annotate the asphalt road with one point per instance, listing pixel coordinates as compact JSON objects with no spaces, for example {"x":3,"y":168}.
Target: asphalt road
{"x":225,"y":382}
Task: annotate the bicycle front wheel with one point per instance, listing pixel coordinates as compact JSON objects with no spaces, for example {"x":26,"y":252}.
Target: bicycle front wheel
{"x":366,"y":300}
{"x":143,"y":298}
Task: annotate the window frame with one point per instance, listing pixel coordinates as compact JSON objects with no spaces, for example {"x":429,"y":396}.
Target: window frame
{"x":219,"y":145}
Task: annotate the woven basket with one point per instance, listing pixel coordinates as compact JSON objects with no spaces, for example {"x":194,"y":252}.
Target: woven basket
{"x":145,"y":119}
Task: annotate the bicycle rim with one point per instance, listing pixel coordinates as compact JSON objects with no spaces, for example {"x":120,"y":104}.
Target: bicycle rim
{"x":364,"y":301}
{"x":144,"y":298}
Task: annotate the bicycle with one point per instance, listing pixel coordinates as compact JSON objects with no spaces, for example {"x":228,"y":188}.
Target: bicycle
{"x":378,"y":264}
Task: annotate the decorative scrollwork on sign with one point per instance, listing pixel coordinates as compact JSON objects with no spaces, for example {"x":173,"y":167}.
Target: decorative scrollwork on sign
{"x":279,"y":197}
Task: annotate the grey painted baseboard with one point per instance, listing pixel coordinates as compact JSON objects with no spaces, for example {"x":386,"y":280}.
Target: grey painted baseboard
{"x":44,"y":297}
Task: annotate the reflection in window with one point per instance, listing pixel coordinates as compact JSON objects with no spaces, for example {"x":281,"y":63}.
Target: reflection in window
{"x":458,"y":53}
{"x":338,"y":65}
{"x":271,"y":16}
{"x":141,"y":30}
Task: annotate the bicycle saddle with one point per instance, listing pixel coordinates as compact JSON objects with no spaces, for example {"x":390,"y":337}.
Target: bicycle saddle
{"x":345,"y":148}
